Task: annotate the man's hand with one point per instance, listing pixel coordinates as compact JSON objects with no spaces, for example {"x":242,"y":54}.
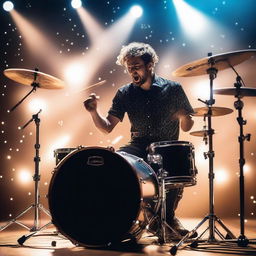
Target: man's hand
{"x":91,"y":102}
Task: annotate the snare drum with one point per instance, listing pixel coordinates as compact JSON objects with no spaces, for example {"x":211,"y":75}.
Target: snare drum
{"x":60,"y":153}
{"x":177,"y":159}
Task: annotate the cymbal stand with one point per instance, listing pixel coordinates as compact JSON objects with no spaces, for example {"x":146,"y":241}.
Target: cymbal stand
{"x":210,"y":155}
{"x":242,"y":239}
{"x":34,"y":85}
{"x":36,"y":206}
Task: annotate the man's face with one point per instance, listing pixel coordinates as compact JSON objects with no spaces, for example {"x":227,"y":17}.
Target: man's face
{"x":137,"y":69}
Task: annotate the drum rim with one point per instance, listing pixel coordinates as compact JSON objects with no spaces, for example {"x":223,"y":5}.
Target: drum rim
{"x":55,"y":171}
{"x":166,"y":143}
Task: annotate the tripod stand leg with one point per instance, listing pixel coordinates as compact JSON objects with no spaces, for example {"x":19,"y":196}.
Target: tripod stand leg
{"x":174,"y":249}
{"x":23,"y":238}
{"x":41,"y":207}
{"x":16,"y":218}
{"x":229,"y":233}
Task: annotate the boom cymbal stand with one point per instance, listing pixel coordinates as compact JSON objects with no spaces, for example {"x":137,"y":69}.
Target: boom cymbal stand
{"x":212,"y":72}
{"x":36,"y":205}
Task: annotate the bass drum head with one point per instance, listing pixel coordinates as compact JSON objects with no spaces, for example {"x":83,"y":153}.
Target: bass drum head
{"x":94,"y":197}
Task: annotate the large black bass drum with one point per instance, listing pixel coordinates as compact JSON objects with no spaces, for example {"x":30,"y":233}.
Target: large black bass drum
{"x":98,"y":197}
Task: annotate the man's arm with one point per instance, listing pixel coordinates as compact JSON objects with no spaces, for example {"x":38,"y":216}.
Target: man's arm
{"x":186,"y":121}
{"x":104,"y":124}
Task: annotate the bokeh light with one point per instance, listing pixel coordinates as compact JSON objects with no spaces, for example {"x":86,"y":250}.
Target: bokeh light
{"x":8,"y":6}
{"x":76,"y":3}
{"x":136,"y":11}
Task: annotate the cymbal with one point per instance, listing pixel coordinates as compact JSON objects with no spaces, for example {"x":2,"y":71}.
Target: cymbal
{"x":200,"y":133}
{"x":216,"y":111}
{"x":243,"y":91}
{"x":26,"y":77}
{"x":219,"y":61}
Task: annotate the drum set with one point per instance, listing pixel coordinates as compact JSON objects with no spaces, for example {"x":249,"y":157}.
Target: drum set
{"x":98,"y":197}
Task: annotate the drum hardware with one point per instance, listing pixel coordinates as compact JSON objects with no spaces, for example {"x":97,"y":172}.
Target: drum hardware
{"x":210,"y":66}
{"x":162,"y":231}
{"x":33,"y":78}
{"x":36,"y":206}
{"x":238,"y":91}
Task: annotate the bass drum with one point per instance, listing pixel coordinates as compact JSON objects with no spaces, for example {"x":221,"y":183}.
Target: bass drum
{"x":98,"y":197}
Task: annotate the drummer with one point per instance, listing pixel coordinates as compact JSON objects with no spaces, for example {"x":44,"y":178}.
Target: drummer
{"x":156,"y":108}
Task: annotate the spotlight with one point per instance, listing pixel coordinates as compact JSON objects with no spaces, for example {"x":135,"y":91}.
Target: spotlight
{"x":8,"y":6}
{"x":76,"y":3}
{"x":136,"y":11}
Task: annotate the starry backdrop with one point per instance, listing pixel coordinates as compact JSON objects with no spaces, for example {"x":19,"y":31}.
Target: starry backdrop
{"x":80,"y":48}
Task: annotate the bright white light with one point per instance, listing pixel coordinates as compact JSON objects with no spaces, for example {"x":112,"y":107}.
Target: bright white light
{"x":202,"y":89}
{"x":221,"y":176}
{"x":117,"y":139}
{"x":24,"y":176}
{"x":8,"y":6}
{"x":76,"y":3}
{"x":192,"y":20}
{"x":61,"y":142}
{"x":246,"y":168}
{"x":75,"y":74}
{"x":136,"y":11}
{"x":36,"y":104}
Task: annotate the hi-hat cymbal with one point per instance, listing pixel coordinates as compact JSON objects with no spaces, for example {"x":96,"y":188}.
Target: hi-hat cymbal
{"x":219,"y":61}
{"x":243,"y":91}
{"x":216,"y":111}
{"x":201,"y":133}
{"x":27,"y":77}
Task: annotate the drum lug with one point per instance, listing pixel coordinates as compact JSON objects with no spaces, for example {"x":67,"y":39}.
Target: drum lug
{"x":54,"y":170}
{"x":142,"y":180}
{"x":110,"y":148}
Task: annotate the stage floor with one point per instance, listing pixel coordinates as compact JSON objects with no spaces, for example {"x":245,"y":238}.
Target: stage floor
{"x":41,"y":244}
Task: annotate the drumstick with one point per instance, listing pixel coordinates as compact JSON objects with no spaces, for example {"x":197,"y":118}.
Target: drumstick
{"x":91,"y":86}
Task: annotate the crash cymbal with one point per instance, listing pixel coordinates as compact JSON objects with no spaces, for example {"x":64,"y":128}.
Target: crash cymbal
{"x":27,"y":77}
{"x":219,"y":61}
{"x":216,"y":111}
{"x":243,"y":91}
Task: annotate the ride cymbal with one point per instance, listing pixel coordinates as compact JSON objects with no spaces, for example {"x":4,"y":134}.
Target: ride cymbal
{"x":219,"y":61}
{"x":28,"y":77}
{"x":243,"y":91}
{"x":216,"y":111}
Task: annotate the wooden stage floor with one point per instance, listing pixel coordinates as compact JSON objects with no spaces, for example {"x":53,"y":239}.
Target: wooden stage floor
{"x":41,"y":244}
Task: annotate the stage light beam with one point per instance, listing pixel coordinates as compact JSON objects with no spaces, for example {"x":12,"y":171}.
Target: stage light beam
{"x":8,"y":6}
{"x":193,"y":22}
{"x":136,"y":11}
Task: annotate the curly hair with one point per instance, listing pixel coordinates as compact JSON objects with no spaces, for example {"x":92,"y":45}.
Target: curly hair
{"x":136,"y":49}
